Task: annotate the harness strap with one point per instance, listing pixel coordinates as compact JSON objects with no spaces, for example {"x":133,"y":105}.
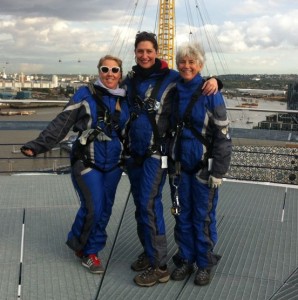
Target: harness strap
{"x":150,"y":108}
{"x":194,"y":97}
{"x":186,"y":121}
{"x":103,"y":113}
{"x":93,"y":166}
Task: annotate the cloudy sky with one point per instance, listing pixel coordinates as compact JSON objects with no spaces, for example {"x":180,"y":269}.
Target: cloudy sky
{"x":59,"y":36}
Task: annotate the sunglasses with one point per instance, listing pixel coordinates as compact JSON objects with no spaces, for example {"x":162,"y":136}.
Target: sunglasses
{"x":105,"y":69}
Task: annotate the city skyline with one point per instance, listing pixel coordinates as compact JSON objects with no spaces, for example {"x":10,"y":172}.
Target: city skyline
{"x":57,"y":38}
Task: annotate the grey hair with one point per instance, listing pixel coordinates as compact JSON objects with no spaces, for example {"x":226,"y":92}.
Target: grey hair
{"x":192,"y":50}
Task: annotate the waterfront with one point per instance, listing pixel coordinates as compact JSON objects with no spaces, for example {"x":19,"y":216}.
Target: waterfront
{"x":236,"y":117}
{"x":249,"y":119}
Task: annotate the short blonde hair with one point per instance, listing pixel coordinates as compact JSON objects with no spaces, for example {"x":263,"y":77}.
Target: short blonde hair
{"x":110,"y":57}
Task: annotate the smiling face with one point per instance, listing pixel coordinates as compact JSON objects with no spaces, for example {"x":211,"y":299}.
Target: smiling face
{"x":145,"y":54}
{"x":188,"y":68}
{"x":110,"y":79}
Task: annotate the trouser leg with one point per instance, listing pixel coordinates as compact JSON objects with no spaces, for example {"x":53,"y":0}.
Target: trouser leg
{"x":97,"y":192}
{"x":134,"y":173}
{"x":204,"y":220}
{"x":147,"y":183}
{"x":183,"y":230}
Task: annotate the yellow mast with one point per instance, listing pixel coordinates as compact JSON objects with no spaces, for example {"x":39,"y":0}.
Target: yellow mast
{"x":166,"y":31}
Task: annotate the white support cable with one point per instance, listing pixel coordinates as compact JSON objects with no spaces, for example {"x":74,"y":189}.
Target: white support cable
{"x":282,"y":215}
{"x":21,"y":257}
{"x":142,"y":15}
{"x":283,"y":208}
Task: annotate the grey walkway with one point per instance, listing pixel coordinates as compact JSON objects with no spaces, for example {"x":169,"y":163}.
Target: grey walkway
{"x":257,"y":241}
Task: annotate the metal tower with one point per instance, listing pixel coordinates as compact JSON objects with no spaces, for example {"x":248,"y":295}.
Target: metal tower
{"x":166,"y":31}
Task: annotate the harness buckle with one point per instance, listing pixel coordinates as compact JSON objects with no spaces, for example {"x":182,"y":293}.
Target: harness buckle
{"x":152,"y":150}
{"x":176,"y":208}
{"x":138,"y":103}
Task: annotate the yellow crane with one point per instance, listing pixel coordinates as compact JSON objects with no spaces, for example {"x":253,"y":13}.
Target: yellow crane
{"x":166,"y":31}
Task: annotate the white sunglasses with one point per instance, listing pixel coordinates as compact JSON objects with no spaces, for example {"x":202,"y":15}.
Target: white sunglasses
{"x":105,"y":69}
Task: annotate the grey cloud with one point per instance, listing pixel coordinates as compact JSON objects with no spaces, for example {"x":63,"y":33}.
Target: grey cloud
{"x":76,"y":10}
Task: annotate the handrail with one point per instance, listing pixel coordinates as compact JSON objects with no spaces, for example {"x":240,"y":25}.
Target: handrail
{"x":248,"y":160}
{"x":27,"y":101}
{"x":288,"y":111}
{"x":48,"y":162}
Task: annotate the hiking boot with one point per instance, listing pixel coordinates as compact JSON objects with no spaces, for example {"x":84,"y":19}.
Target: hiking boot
{"x":202,"y":277}
{"x":182,"y":272}
{"x":93,"y":263}
{"x":152,"y":276}
{"x":142,"y":263}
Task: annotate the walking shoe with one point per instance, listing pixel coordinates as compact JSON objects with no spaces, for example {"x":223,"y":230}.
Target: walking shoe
{"x":202,"y":277}
{"x":93,"y":263}
{"x":142,"y":263}
{"x":152,"y":276}
{"x":181,"y":272}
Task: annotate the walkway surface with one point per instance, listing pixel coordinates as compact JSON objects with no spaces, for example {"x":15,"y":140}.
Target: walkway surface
{"x":257,"y":226}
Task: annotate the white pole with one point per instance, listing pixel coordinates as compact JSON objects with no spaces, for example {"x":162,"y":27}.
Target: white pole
{"x":21,"y":257}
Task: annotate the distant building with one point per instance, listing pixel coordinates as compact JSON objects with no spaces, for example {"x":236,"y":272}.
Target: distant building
{"x":284,"y":121}
{"x":292,"y":101}
{"x":55,"y":81}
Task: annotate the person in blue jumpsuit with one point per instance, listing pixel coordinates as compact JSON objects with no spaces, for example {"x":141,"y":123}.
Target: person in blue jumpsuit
{"x":147,"y":86}
{"x":99,"y":113}
{"x":201,"y":152}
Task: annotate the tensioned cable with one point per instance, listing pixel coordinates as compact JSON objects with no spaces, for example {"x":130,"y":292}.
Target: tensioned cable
{"x":114,"y":244}
{"x":213,"y":40}
{"x":207,"y":35}
{"x":123,"y":34}
{"x":218,"y":49}
{"x":122,"y":27}
{"x":213,"y":43}
{"x":127,"y":54}
{"x":155,"y":29}
{"x":142,"y":15}
{"x":189,"y":17}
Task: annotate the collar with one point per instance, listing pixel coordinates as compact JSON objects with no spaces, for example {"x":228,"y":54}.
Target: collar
{"x":116,"y":92}
{"x":159,"y":67}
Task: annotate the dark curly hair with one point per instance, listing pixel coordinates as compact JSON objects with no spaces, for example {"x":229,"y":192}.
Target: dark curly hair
{"x":146,"y":36}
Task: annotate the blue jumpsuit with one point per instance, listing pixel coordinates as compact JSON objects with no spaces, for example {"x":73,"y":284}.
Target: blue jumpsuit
{"x":195,"y":230}
{"x":144,"y":167}
{"x":95,"y":169}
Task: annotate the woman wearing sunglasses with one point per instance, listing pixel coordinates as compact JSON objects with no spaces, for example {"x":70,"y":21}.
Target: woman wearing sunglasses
{"x":99,"y":113}
{"x":147,"y":86}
